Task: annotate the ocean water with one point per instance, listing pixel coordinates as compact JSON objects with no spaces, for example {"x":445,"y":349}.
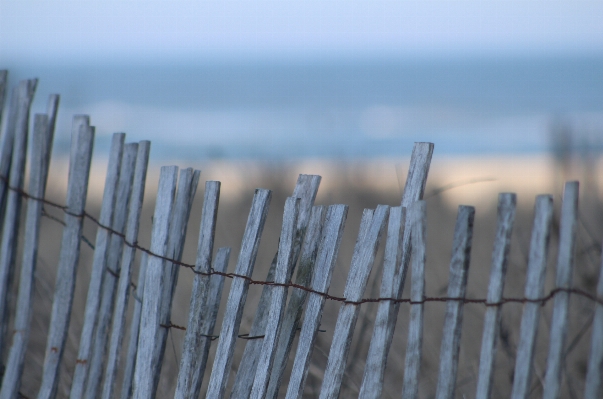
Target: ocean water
{"x":348,"y":108}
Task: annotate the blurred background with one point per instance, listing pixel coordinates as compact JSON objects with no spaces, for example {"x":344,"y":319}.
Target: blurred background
{"x":253,"y":93}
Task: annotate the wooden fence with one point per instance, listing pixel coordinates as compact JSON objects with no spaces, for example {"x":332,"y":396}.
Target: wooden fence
{"x":309,"y":242}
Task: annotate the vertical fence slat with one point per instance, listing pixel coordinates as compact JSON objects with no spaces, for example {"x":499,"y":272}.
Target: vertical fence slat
{"x":187,"y":188}
{"x":296,"y":304}
{"x":502,"y":244}
{"x":40,"y":159}
{"x":189,"y":380}
{"x":534,"y":290}
{"x":238,"y":294}
{"x":77,"y":188}
{"x":593,"y":388}
{"x":125,"y":275}
{"x":565,"y":267}
{"x":151,"y":303}
{"x":457,"y":285}
{"x":128,"y":382}
{"x":414,"y":347}
{"x":372,"y":380}
{"x":278,"y":296}
{"x":321,"y":280}
{"x":111,"y":271}
{"x":99,"y":262}
{"x":10,"y":228}
{"x":305,"y":189}
{"x":360,"y":268}
{"x":196,"y":346}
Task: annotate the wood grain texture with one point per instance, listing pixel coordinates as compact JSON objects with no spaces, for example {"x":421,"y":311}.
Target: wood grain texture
{"x":498,"y":270}
{"x":111,"y":271}
{"x":39,"y":162}
{"x":360,"y":268}
{"x":238,"y":294}
{"x":293,"y":314}
{"x":565,"y":269}
{"x":414,"y":346}
{"x":457,"y":285}
{"x":534,"y":289}
{"x":187,"y":188}
{"x":321,"y":280}
{"x":99,"y":262}
{"x":594,"y":387}
{"x":151,"y":304}
{"x":125,"y":275}
{"x":372,"y":380}
{"x":208,"y":323}
{"x":189,"y":380}
{"x":12,"y":213}
{"x":6,"y":144}
{"x":77,"y":188}
{"x":284,"y":264}
{"x":305,"y":189}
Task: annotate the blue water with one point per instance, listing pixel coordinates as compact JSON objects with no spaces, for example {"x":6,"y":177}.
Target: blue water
{"x":335,"y":109}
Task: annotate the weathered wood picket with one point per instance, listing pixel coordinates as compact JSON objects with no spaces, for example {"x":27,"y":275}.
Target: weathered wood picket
{"x":309,"y":241}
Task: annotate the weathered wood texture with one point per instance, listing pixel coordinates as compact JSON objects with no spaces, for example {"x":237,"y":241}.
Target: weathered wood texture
{"x":293,"y":314}
{"x":534,"y":289}
{"x":99,"y":263}
{"x":360,"y":268}
{"x":565,"y":268}
{"x":77,"y":189}
{"x":321,"y":280}
{"x":187,"y":188}
{"x":195,"y":344}
{"x":39,"y":163}
{"x":278,"y":295}
{"x":372,"y":380}
{"x":414,"y":346}
{"x":195,"y":350}
{"x":151,"y":304}
{"x":457,"y":286}
{"x":112,"y":270}
{"x":305,"y":189}
{"x":498,"y":270}
{"x":238,"y":294}
{"x":10,"y":228}
{"x":125,"y":274}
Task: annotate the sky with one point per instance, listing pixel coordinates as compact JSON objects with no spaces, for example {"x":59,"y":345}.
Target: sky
{"x":119,"y":31}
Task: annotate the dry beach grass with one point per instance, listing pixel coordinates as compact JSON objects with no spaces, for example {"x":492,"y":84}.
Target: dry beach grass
{"x":360,"y":184}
